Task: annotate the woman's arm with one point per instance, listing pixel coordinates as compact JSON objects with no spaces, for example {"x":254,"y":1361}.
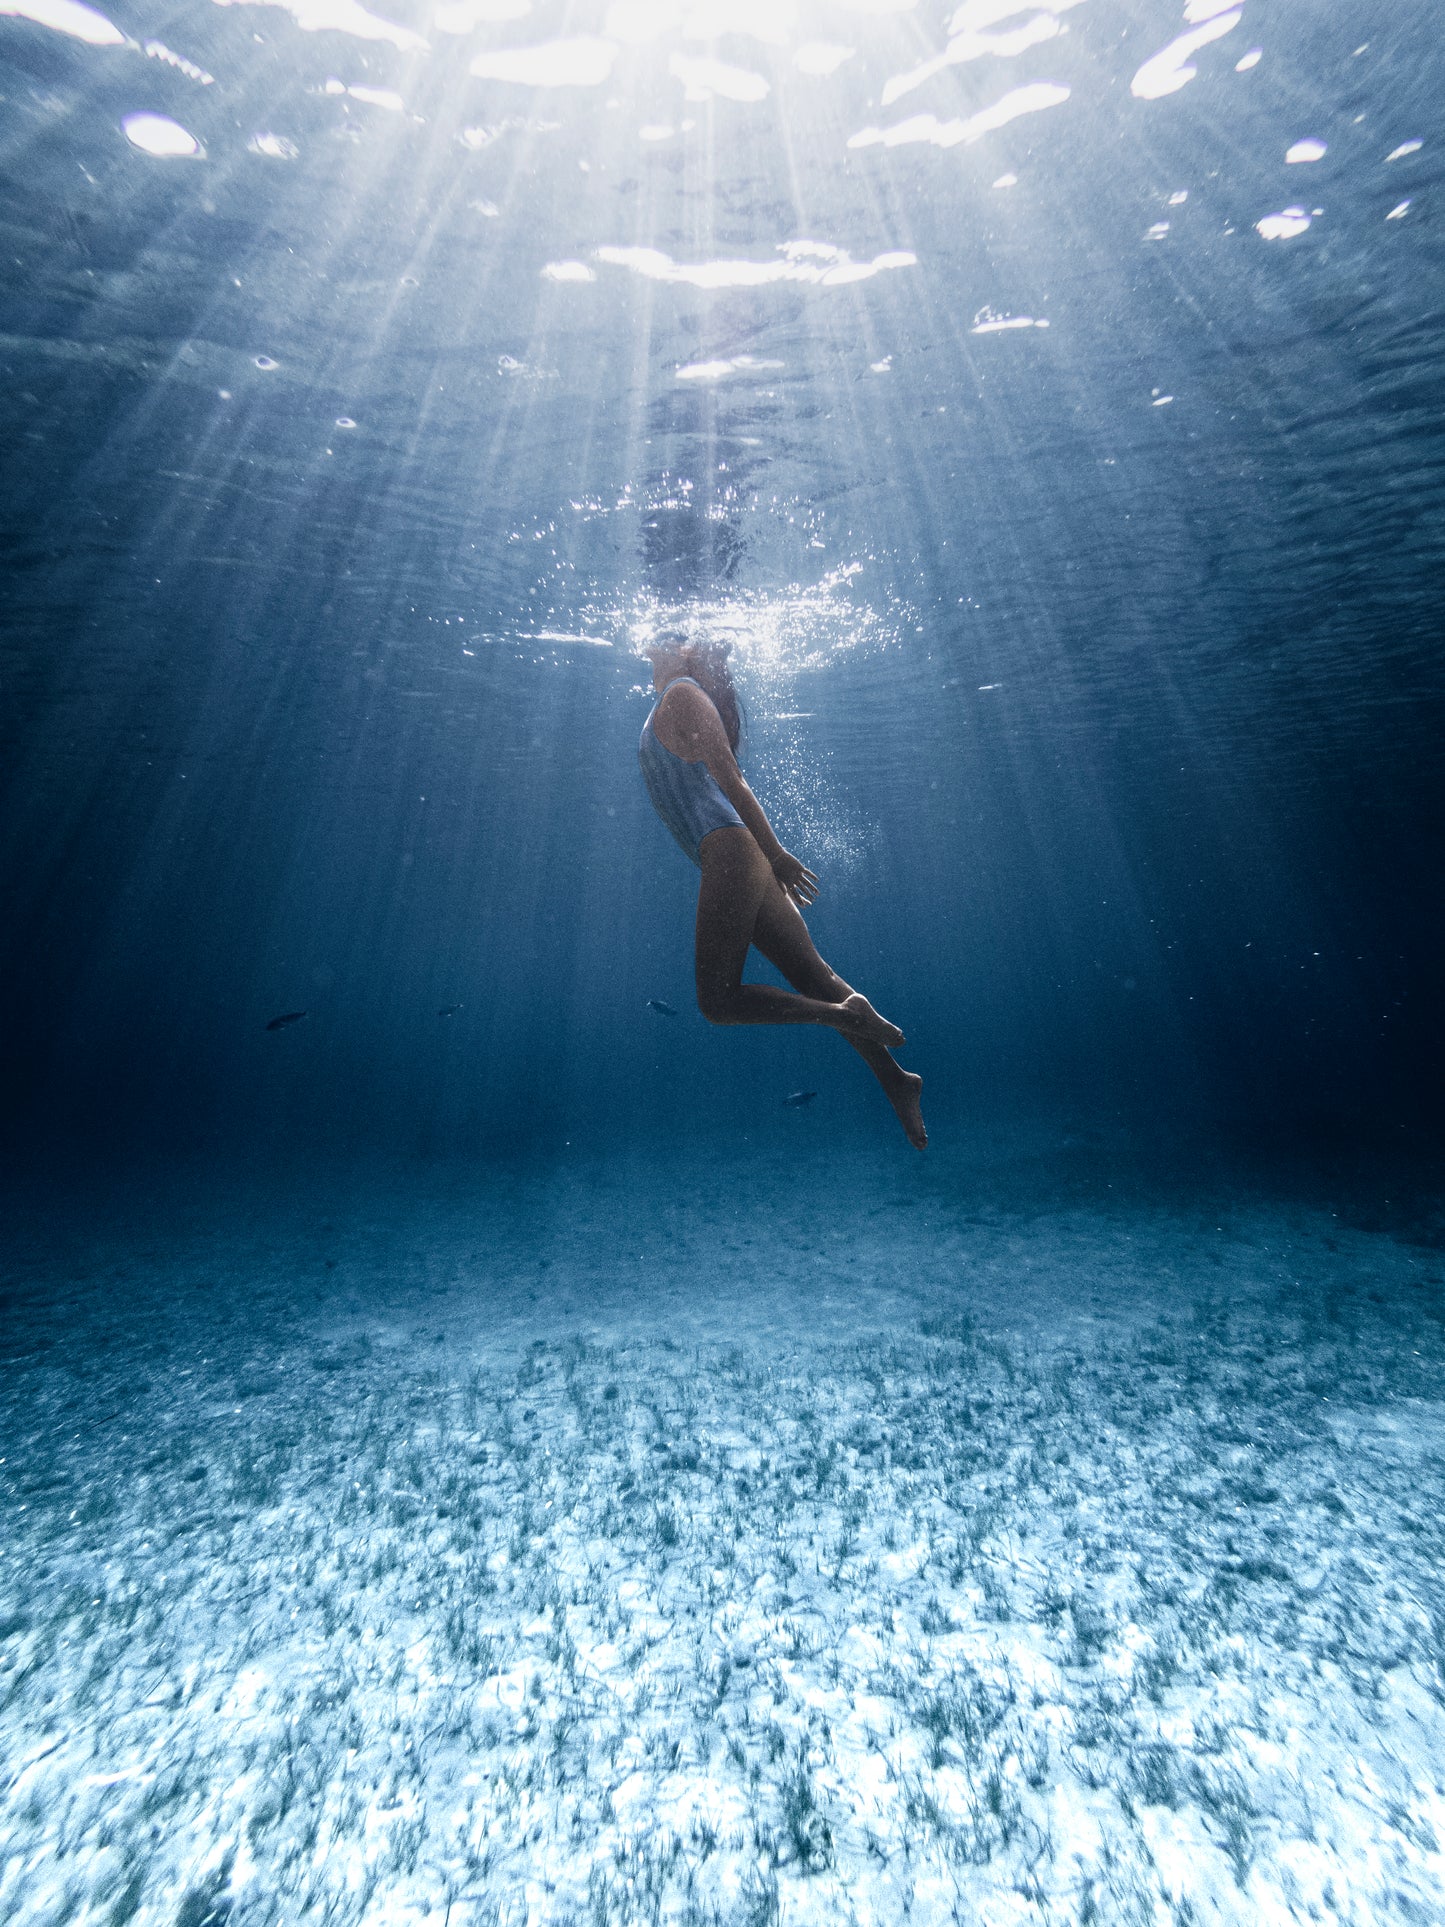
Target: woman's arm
{"x":691,"y":728}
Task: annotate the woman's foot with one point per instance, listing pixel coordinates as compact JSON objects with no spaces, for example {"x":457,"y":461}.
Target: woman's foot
{"x":862,"y":1020}
{"x":907,"y":1099}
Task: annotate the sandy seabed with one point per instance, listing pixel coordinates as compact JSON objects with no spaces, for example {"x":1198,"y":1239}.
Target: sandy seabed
{"x":806,"y":1541}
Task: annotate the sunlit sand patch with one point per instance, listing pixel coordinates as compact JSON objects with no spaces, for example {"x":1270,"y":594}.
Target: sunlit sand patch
{"x":68,"y":17}
{"x":1170,"y":69}
{"x":1032,"y":99}
{"x":273,"y":147}
{"x":1306,"y":150}
{"x":568,"y":271}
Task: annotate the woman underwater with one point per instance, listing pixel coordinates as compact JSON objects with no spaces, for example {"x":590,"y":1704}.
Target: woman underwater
{"x":752,"y":891}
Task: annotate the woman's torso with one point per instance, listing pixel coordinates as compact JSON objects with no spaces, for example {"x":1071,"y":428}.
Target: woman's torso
{"x":684,"y":794}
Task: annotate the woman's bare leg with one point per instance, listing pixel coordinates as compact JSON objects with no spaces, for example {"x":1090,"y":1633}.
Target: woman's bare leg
{"x":783,"y":937}
{"x":735,"y":881}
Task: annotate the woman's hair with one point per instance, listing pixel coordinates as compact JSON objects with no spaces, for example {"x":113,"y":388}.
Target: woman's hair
{"x":707,"y":664}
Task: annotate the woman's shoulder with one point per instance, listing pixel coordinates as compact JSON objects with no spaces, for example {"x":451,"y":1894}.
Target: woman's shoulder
{"x":686,"y":720}
{"x":684,"y":697}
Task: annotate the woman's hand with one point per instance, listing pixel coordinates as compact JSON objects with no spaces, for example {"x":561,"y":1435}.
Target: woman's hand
{"x":799,"y":883}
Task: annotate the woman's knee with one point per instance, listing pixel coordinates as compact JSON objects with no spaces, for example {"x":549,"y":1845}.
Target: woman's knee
{"x":716,"y":1003}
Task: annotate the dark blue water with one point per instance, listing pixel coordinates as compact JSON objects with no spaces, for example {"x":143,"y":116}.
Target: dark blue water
{"x":1046,"y":405}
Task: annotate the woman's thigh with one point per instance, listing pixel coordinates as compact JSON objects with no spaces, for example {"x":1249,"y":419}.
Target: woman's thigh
{"x":735,"y":877}
{"x":781,"y":934}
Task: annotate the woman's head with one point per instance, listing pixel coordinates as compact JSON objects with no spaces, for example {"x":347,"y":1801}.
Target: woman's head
{"x":673,"y":655}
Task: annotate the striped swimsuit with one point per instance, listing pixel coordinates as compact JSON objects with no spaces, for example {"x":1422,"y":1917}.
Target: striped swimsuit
{"x":684,"y":794}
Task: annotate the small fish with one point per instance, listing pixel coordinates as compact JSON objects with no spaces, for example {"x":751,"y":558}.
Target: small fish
{"x":662,"y":1009}
{"x":448,"y":1010}
{"x":798,"y":1099}
{"x":287,"y":1017}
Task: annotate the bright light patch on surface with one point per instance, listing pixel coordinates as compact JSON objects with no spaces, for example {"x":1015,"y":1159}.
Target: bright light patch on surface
{"x":638,"y":22}
{"x":720,"y":370}
{"x":1158,"y":231}
{"x":1307,"y":150}
{"x":465,"y":16}
{"x":157,"y":50}
{"x":1161,"y":401}
{"x":950,"y":133}
{"x":821,"y":57}
{"x":815,"y":263}
{"x":275,"y":147}
{"x":1405,"y":147}
{"x":159,"y":135}
{"x":1178,"y":200}
{"x":1169,"y":69}
{"x":1398,"y":212}
{"x":761,"y":20}
{"x":703,"y":78}
{"x":986,"y":322}
{"x":564,"y":635}
{"x":1283,"y":226}
{"x":880,"y":367}
{"x":339,"y":16}
{"x":977,"y":16}
{"x":67,"y":16}
{"x":568,"y":271}
{"x":1198,"y":10}
{"x":580,"y":62}
{"x":1007,"y":180}
{"x":1251,"y":59}
{"x":973,"y":46}
{"x":378,"y":97}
